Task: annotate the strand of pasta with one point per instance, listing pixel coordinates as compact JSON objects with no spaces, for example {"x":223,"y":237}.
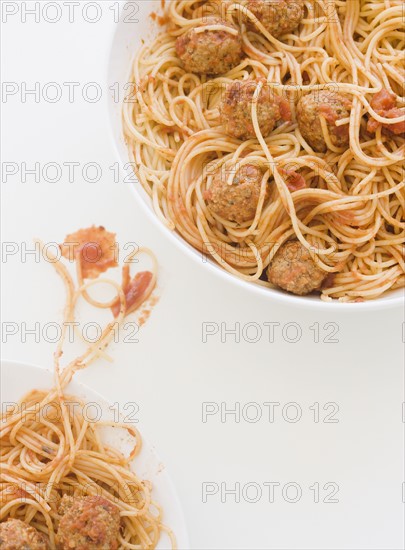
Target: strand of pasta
{"x":44,"y":456}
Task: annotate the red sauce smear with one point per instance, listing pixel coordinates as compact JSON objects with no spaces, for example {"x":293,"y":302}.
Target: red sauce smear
{"x":161,"y":19}
{"x":331,"y":117}
{"x":293,"y":180}
{"x":95,"y":249}
{"x":328,"y":113}
{"x":134,"y":290}
{"x":384,"y":104}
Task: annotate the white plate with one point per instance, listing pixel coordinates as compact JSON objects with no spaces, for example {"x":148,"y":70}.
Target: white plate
{"x":17,"y":379}
{"x":136,"y":24}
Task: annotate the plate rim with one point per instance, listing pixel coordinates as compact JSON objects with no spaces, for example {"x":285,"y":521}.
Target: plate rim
{"x":183,"y":535}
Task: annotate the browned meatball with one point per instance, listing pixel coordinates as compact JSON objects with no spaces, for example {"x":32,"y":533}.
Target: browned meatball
{"x":236,"y":109}
{"x":210,"y":51}
{"x":236,"y":202}
{"x":17,"y":535}
{"x":88,"y":523}
{"x":294,"y":270}
{"x":278,"y":17}
{"x":331,"y":106}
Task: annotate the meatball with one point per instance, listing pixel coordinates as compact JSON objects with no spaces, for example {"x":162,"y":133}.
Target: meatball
{"x":88,"y":523}
{"x":332,"y":107}
{"x":294,"y":270}
{"x":236,"y":202}
{"x":278,"y":17}
{"x":236,"y":109}
{"x":17,"y":535}
{"x":210,"y":51}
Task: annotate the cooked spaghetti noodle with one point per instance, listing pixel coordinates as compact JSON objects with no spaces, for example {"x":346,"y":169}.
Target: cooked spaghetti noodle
{"x":350,"y":215}
{"x":50,"y":449}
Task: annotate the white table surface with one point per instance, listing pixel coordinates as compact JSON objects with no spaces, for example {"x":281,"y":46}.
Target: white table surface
{"x":171,"y":372}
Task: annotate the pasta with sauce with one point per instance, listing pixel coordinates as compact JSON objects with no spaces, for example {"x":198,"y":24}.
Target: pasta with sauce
{"x":257,"y":123}
{"x":61,"y":485}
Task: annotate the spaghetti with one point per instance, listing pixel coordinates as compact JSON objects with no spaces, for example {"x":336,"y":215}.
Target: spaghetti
{"x":350,"y":212}
{"x":50,"y":449}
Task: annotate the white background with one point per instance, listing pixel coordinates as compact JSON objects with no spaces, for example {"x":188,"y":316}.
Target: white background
{"x":171,"y":372}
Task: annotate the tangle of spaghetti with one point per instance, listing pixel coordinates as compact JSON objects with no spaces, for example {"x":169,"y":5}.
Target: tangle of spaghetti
{"x":49,"y":449}
{"x":350,"y":212}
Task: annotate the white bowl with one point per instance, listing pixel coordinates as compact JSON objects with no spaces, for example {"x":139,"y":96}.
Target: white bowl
{"x":125,"y":42}
{"x":17,"y":379}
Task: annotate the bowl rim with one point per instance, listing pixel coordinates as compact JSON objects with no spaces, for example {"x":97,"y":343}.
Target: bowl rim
{"x":278,"y":296}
